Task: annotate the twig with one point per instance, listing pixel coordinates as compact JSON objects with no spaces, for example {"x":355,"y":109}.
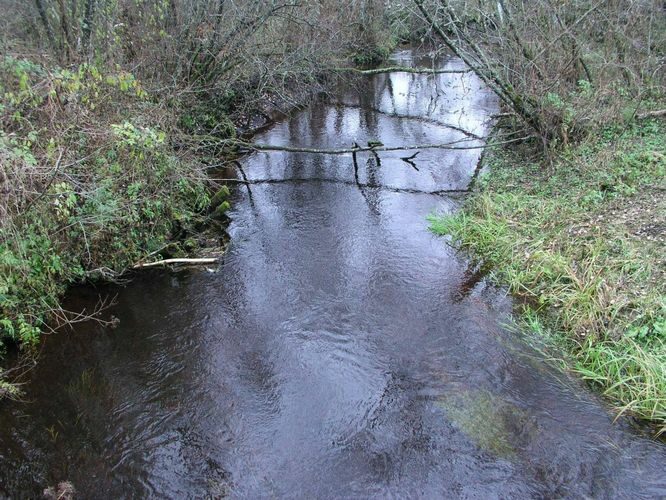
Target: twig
{"x":48,"y":184}
{"x":355,"y":162}
{"x":408,"y":158}
{"x":410,"y":162}
{"x":64,"y":317}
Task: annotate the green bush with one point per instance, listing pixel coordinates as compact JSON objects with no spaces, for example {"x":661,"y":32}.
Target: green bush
{"x":98,"y":185}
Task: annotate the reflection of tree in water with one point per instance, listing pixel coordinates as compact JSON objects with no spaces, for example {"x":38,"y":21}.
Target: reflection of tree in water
{"x":339,"y":119}
{"x":389,"y":88}
{"x":371,"y":194}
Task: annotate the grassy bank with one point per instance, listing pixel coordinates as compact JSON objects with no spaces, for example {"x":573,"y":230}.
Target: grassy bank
{"x":581,"y":238}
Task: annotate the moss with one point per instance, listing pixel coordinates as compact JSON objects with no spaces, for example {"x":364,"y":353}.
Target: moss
{"x":490,"y":422}
{"x":220,"y":196}
{"x":221,"y":210}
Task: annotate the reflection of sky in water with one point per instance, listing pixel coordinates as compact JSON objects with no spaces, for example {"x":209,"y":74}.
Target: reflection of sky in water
{"x":397,"y":109}
{"x":456,"y":99}
{"x":400,"y":97}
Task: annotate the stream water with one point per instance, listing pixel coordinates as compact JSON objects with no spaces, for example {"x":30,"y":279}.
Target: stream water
{"x":340,"y":350}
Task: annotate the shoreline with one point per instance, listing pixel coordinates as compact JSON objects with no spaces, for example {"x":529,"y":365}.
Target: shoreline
{"x":581,"y":244}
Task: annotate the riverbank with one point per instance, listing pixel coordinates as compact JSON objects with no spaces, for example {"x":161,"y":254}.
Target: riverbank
{"x":92,"y":183}
{"x":581,"y":240}
{"x":101,"y":173}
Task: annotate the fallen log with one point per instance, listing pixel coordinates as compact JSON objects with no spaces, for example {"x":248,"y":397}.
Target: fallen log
{"x":341,"y":151}
{"x":455,"y":145}
{"x":166,"y":262}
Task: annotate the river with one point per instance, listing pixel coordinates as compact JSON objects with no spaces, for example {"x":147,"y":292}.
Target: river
{"x":340,"y":349}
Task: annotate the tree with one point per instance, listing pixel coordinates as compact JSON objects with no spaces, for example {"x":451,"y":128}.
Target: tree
{"x":561,"y":67}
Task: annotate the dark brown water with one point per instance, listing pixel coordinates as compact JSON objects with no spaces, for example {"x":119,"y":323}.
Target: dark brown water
{"x":340,"y":350}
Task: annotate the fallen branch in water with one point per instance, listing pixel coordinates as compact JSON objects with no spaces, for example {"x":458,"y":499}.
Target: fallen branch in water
{"x":409,"y":158}
{"x":165,"y":262}
{"x":342,"y":151}
{"x":244,"y":146}
{"x":402,"y":69}
{"x":410,"y":162}
{"x":455,"y":145}
{"x":354,"y":149}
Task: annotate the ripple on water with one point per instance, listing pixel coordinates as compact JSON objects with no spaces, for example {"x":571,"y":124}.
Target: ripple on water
{"x":341,"y":351}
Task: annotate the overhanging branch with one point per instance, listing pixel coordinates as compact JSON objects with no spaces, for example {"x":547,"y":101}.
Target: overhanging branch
{"x":402,"y":69}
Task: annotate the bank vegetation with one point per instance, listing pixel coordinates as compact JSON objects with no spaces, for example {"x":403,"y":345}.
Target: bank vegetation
{"x":573,"y":220}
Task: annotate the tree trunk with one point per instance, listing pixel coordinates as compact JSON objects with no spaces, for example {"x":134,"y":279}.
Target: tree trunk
{"x":46,"y":23}
{"x":88,"y":19}
{"x":65,"y":28}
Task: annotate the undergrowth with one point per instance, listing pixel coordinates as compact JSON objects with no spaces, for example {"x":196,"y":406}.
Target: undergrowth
{"x":90,"y":183}
{"x":582,"y":241}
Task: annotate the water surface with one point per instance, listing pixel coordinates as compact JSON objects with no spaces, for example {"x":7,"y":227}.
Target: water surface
{"x":340,"y":350}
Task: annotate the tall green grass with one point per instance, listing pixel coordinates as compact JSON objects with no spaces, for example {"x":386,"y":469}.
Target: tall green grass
{"x":565,"y":238}
{"x":628,"y":373}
